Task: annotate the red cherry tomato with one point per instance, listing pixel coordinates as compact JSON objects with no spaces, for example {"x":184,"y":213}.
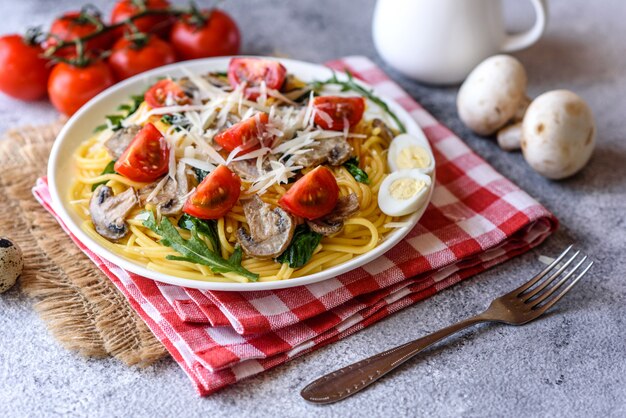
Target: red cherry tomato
{"x":129,"y":58}
{"x":147,"y":156}
{"x":24,"y":73}
{"x":71,"y":87}
{"x":217,"y":36}
{"x":215,"y":196}
{"x":159,"y":24}
{"x":74,"y":25}
{"x":253,"y":71}
{"x":157,"y":95}
{"x":245,"y":134}
{"x":312,"y":196}
{"x":340,"y":110}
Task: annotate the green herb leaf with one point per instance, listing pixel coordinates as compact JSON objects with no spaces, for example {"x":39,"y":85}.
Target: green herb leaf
{"x":352,"y":165}
{"x":301,"y":248}
{"x":109,"y":169}
{"x":208,"y":228}
{"x":194,"y":250}
{"x":353,"y":86}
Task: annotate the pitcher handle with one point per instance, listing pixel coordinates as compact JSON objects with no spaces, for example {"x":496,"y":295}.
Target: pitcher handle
{"x":532,"y":35}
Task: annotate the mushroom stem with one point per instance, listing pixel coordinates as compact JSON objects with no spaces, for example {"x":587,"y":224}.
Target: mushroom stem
{"x":509,"y":137}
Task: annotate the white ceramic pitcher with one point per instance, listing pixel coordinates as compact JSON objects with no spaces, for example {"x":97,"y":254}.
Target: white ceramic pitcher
{"x":441,"y":41}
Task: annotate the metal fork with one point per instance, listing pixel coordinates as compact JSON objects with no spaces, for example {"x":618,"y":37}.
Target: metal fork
{"x":524,"y":304}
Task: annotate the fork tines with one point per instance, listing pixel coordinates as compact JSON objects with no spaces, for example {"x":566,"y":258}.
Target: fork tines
{"x":539,"y":297}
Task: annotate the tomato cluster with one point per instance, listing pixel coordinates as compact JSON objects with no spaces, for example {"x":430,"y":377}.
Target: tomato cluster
{"x":81,"y":55}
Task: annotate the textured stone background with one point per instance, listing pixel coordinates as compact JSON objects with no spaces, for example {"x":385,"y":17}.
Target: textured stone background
{"x":572,"y":363}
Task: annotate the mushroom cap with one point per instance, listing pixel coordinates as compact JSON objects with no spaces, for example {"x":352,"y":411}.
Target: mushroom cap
{"x":11,"y":263}
{"x":491,"y":94}
{"x":558,"y":134}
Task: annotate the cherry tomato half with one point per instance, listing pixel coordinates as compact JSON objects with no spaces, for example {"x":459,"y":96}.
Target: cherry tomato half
{"x":72,"y":25}
{"x":147,"y":156}
{"x":215,"y":196}
{"x":71,"y":87}
{"x":313,"y":195}
{"x":340,"y":110}
{"x":129,"y":58}
{"x":217,"y":36}
{"x":245,"y":134}
{"x":157,"y":95}
{"x":253,"y":71}
{"x":159,"y":24}
{"x":24,"y":73}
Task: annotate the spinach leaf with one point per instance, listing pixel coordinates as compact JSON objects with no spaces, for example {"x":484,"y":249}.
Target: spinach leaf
{"x":352,"y":165}
{"x":194,"y":250}
{"x":109,"y":169}
{"x":301,"y":248}
{"x":200,"y":174}
{"x":208,"y":228}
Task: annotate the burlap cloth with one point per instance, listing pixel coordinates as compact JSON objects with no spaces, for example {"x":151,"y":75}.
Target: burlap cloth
{"x":81,"y":307}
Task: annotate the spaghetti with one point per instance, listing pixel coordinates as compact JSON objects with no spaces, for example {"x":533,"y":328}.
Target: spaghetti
{"x":361,"y":233}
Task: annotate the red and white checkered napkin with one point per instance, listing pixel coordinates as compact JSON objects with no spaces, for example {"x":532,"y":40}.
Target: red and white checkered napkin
{"x":476,"y":219}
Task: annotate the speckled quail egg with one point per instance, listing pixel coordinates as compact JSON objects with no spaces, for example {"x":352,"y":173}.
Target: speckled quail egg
{"x":410,"y":152}
{"x":404,"y":192}
{"x":11,"y":263}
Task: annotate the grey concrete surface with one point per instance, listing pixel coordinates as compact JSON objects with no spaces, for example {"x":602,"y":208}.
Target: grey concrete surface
{"x":571,"y":363}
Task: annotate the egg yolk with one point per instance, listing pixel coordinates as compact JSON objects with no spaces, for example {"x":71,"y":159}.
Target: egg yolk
{"x":413,"y":157}
{"x":405,"y":188}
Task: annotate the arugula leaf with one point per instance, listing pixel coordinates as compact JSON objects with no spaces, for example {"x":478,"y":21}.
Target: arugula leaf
{"x":194,"y":250}
{"x":109,"y":169}
{"x":115,"y":121}
{"x":301,"y":248}
{"x":200,"y":174}
{"x":208,"y":228}
{"x":352,"y":85}
{"x":352,"y":165}
{"x":236,"y":256}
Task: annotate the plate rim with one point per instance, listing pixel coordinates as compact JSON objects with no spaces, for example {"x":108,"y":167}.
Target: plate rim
{"x":58,"y":203}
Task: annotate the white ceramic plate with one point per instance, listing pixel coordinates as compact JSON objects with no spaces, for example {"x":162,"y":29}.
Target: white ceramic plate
{"x":81,"y":126}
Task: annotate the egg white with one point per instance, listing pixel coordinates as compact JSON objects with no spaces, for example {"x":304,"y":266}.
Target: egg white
{"x":403,"y":142}
{"x":392,"y":203}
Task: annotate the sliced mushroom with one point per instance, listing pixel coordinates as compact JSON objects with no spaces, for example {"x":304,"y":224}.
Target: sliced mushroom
{"x":333,"y":222}
{"x":248,"y":170}
{"x":108,"y":212}
{"x":385,"y":132}
{"x":335,"y":151}
{"x":271,"y":230}
{"x":170,"y":197}
{"x":117,"y":144}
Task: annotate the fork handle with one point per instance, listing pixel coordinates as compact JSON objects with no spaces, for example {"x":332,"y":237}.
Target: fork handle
{"x":347,"y":381}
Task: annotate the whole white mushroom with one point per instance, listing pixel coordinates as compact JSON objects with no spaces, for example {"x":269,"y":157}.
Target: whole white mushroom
{"x":11,"y":264}
{"x":493,"y":94}
{"x":558,"y":134}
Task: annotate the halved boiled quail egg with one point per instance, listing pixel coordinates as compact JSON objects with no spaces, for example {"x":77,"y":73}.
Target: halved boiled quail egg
{"x":404,"y":192}
{"x":410,"y":152}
